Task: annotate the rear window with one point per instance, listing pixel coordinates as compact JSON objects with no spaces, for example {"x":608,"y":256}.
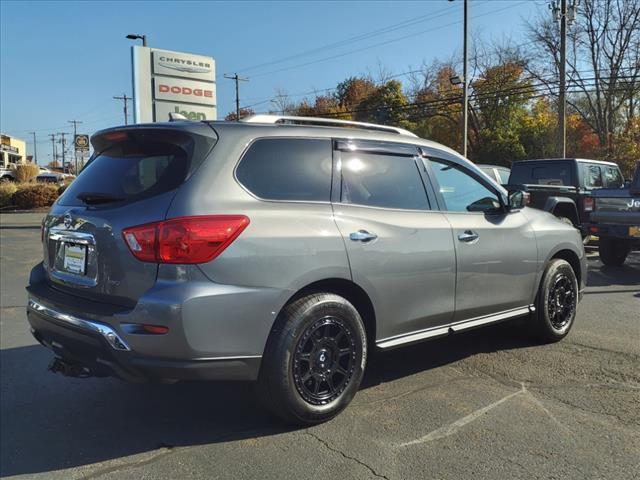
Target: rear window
{"x":541,"y":174}
{"x":612,"y":177}
{"x":296,"y":169}
{"x":141,"y":166}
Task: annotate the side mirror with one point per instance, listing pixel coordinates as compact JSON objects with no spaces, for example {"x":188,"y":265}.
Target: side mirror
{"x":517,"y":200}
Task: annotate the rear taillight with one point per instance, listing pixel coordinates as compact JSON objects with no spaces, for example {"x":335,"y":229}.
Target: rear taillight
{"x":589,"y":204}
{"x":184,"y":240}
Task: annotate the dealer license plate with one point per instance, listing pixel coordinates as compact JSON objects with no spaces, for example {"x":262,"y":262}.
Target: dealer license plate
{"x":634,"y":231}
{"x":75,"y":258}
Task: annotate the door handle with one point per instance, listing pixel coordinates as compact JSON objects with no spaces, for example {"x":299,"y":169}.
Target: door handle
{"x":362,"y":236}
{"x":468,"y":236}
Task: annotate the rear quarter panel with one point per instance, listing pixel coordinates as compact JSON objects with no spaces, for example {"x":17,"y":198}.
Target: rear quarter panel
{"x":286,"y":246}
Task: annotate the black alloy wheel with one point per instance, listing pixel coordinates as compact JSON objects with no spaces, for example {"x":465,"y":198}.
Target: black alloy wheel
{"x":561,"y":302}
{"x":324,"y":360}
{"x":557,"y":301}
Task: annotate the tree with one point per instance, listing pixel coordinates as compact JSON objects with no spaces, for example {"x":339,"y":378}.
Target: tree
{"x":385,"y":105}
{"x":244,"y":112}
{"x":323,"y":106}
{"x":283,"y":103}
{"x":603,"y":64}
{"x":352,"y":91}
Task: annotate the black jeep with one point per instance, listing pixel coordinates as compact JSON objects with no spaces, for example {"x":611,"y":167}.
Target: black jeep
{"x":565,"y":186}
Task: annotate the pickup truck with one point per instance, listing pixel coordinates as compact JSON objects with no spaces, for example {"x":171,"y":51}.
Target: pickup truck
{"x":565,"y":186}
{"x":615,"y":219}
{"x":7,"y":174}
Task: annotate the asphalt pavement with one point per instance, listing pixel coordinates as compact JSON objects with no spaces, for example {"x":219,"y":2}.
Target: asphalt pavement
{"x":486,"y":404}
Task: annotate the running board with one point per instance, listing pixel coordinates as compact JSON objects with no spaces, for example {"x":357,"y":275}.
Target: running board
{"x":453,"y":327}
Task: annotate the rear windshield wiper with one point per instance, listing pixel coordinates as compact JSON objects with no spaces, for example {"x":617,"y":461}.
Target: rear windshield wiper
{"x":93,"y":198}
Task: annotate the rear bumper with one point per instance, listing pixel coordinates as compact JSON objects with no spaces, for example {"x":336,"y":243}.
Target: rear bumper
{"x":612,"y":230}
{"x":216,"y":332}
{"x":99,"y":348}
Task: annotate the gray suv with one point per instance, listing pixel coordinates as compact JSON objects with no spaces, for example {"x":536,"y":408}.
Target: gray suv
{"x":283,"y":250}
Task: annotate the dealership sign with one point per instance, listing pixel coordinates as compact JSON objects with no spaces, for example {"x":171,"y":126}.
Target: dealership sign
{"x":167,"y":82}
{"x":178,"y":90}
{"x":81,"y":143}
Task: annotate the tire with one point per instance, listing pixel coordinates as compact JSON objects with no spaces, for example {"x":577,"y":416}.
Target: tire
{"x":301,"y":357}
{"x":612,"y":252}
{"x":556,"y":302}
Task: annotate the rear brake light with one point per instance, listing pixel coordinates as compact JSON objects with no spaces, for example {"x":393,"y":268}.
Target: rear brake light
{"x":184,"y":240}
{"x":589,"y":204}
{"x":116,"y":136}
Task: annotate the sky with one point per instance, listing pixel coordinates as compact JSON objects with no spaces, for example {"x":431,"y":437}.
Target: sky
{"x":62,"y":61}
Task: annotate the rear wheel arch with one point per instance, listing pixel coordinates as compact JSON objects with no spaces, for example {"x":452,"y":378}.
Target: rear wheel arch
{"x":351,"y":292}
{"x":567,"y":210}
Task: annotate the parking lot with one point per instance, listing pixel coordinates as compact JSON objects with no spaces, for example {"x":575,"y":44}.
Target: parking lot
{"x":489,"y":403}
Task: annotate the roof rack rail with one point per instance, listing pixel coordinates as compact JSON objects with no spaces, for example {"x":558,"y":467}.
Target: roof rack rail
{"x":324,"y":122}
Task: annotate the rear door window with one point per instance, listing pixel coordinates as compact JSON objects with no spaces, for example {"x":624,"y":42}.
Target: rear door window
{"x":612,"y":178}
{"x":382,"y":180}
{"x":294,"y":169}
{"x":592,"y":176}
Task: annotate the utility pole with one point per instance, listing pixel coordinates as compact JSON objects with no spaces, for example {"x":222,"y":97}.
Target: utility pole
{"x":125,"y":99}
{"x":465,"y":80}
{"x":53,"y":149}
{"x":63,"y":142}
{"x":562,"y":111}
{"x":35,"y":148}
{"x":75,"y":132}
{"x":237,"y":79}
{"x":465,"y":85}
{"x":566,"y":15}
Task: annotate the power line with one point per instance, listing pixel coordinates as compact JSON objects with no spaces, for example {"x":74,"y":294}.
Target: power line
{"x":528,"y":89}
{"x":387,"y":42}
{"x":125,"y":100}
{"x":357,"y":38}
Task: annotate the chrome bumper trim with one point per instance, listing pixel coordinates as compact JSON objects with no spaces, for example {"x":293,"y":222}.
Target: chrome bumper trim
{"x":109,"y":334}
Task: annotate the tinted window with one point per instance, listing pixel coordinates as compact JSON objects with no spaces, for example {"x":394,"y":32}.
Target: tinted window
{"x":382,"y":181}
{"x":612,"y":178}
{"x":288,"y":169}
{"x":592,"y":177}
{"x":461,"y":191}
{"x":543,"y":174}
{"x":130,"y":171}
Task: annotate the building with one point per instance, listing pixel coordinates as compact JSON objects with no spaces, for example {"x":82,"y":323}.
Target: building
{"x":12,"y":150}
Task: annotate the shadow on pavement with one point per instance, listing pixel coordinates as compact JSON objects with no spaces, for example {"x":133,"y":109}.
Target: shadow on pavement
{"x":626,"y":275}
{"x":50,"y":422}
